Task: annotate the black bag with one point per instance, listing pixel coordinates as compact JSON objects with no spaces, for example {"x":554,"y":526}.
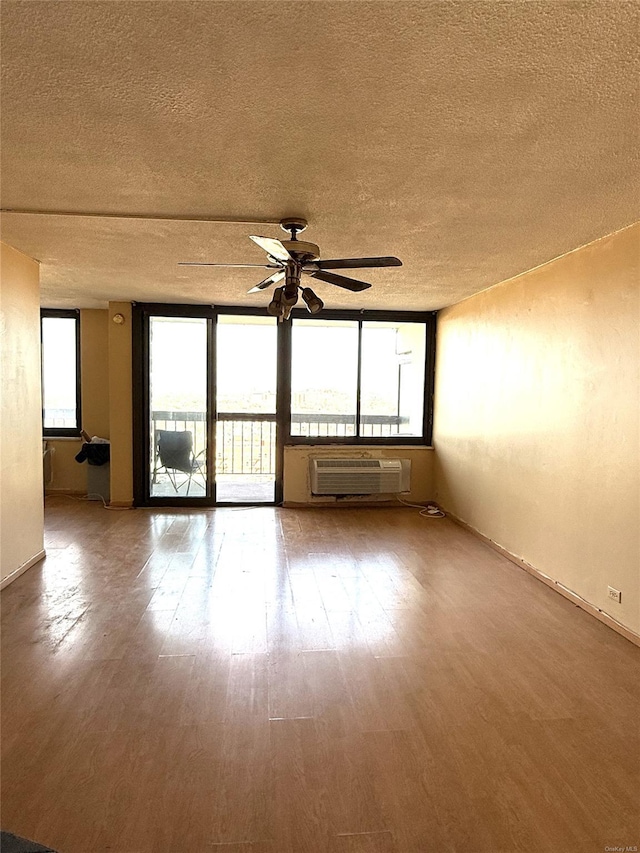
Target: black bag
{"x":97,"y":453}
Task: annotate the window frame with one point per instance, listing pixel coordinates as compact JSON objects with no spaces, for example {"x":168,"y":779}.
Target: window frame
{"x":63,"y":432}
{"x":142,"y":314}
{"x":141,"y":397}
{"x":141,"y":317}
{"x":428,"y":319}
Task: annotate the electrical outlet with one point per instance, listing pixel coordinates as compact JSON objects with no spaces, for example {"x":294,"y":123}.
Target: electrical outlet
{"x":615,"y":594}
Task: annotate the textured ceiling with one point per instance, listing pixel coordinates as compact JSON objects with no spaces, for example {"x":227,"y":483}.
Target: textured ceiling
{"x":475,"y":140}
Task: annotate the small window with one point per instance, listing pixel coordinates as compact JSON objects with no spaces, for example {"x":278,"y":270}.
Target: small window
{"x":60,"y":332}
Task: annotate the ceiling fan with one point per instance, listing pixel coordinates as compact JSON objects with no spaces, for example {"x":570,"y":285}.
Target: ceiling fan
{"x":293,"y":258}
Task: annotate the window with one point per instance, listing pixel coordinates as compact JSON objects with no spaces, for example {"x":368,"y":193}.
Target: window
{"x":392,"y":379}
{"x":324,"y":377}
{"x":358,"y":380}
{"x":60,"y":331}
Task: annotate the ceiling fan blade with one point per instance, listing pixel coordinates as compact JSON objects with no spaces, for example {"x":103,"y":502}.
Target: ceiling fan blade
{"x":341,"y":280}
{"x":277,"y":276}
{"x":203,"y":264}
{"x":355,"y":263}
{"x":272,"y":247}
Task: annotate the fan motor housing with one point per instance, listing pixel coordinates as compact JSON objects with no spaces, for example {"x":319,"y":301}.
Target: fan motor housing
{"x":301,"y":250}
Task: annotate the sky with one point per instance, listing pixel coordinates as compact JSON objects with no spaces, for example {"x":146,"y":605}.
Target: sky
{"x":324,"y":362}
{"x":324,"y":358}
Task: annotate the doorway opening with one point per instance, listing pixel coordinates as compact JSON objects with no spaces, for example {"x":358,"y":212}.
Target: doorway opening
{"x":207,"y":381}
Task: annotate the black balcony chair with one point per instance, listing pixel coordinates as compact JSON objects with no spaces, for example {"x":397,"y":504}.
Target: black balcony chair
{"x":174,"y":453}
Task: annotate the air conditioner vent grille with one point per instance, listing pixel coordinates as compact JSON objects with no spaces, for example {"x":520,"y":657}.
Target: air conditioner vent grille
{"x":359,"y":476}
{"x":348,"y":463}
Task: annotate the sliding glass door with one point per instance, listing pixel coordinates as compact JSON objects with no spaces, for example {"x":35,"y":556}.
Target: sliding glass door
{"x":205,"y":406}
{"x":246,"y":373}
{"x":178,"y":368}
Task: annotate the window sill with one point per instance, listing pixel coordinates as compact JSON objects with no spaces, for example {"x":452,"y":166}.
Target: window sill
{"x":306,"y":441}
{"x":361,"y":445}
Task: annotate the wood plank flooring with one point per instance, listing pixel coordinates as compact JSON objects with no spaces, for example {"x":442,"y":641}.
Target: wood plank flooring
{"x":307,"y":681}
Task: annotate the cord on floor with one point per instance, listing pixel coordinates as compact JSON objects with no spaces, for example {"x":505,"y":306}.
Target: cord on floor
{"x":429,"y":511}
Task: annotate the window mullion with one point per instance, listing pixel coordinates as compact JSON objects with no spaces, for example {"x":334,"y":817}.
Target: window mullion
{"x":79,"y":423}
{"x":283,"y":403}
{"x":358,"y":379}
{"x":212,"y":406}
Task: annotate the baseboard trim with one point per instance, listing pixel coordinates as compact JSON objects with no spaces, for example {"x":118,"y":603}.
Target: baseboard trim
{"x":22,"y":569}
{"x":341,"y":504}
{"x":572,"y":596}
{"x":121,"y":504}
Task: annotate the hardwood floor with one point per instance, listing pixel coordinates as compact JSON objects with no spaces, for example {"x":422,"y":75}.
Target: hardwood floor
{"x":307,"y":681}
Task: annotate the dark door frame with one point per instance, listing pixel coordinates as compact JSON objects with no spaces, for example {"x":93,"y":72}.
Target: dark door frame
{"x":142,"y":312}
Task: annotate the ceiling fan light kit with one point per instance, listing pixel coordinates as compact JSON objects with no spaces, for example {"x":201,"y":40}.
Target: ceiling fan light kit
{"x":293,"y":258}
{"x":314,"y":303}
{"x":276,"y":307}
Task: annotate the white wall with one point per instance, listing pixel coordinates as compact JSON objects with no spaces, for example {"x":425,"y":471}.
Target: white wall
{"x":21,"y":486}
{"x":536,"y":419}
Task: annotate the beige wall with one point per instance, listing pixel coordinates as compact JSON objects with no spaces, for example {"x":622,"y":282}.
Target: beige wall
{"x":120,"y":405}
{"x":67,"y":474}
{"x":94,"y":338}
{"x":106,"y":404}
{"x":297,"y":482}
{"x":536,"y":419}
{"x":21,"y":487}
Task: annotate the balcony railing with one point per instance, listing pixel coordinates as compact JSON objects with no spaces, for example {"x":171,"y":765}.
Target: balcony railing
{"x":245,"y":443}
{"x":343,"y":426}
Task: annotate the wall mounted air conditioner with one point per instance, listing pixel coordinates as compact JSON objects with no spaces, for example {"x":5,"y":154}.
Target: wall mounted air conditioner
{"x":360,"y":476}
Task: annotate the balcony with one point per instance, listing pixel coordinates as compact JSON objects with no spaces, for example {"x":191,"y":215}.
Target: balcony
{"x":246,"y":448}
